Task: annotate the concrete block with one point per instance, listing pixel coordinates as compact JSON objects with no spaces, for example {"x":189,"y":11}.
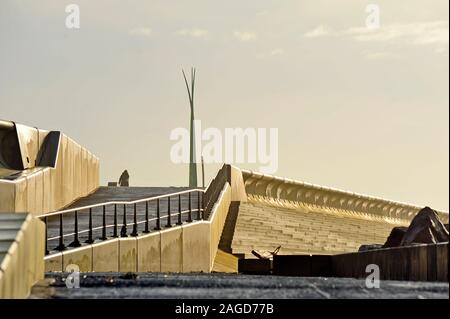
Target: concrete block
{"x":39,"y":192}
{"x":54,"y":263}
{"x":31,"y":194}
{"x":128,"y":254}
{"x":7,"y":197}
{"x":84,"y":172}
{"x":39,"y":243}
{"x":21,"y":195}
{"x":196,"y":247}
{"x":105,"y":256}
{"x":82,"y":257}
{"x":237,"y":185}
{"x":7,"y":268}
{"x":172,"y":250}
{"x":47,"y":187}
{"x":1,"y":284}
{"x":149,"y":252}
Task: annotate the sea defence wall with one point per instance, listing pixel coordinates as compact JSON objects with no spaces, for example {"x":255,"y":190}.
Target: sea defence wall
{"x":22,"y":240}
{"x":286,"y":192}
{"x":191,"y":247}
{"x":45,"y":172}
{"x":309,"y":219}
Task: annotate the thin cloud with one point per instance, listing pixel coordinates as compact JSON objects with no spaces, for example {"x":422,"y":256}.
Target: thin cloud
{"x":141,"y":32}
{"x":245,"y":36}
{"x":277,"y":51}
{"x":320,"y":31}
{"x":194,"y":33}
{"x":414,"y":33}
{"x":425,"y":33}
{"x":380,"y":55}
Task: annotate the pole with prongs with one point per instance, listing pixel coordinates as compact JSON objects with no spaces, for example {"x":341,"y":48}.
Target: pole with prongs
{"x":192,"y":160}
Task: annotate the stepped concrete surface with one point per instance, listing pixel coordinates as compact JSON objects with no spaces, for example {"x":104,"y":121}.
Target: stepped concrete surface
{"x":223,"y":286}
{"x":306,"y":229}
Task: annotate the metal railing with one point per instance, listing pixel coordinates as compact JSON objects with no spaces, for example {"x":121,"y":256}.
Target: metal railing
{"x":189,"y":203}
{"x":152,"y":213}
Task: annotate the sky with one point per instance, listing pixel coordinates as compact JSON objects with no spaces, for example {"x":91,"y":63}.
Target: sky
{"x":363,"y":110}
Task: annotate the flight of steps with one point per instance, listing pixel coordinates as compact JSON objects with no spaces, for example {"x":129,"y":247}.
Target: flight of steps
{"x":306,"y":230}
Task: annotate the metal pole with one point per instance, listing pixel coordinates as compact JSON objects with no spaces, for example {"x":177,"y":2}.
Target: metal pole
{"x":46,"y":235}
{"x":90,"y":240}
{"x":61,"y":234}
{"x":146,"y":218}
{"x":169,"y":224}
{"x":158,"y":217}
{"x":115,"y":221}
{"x":123,"y":231}
{"x":199,"y":217}
{"x":76,"y":241}
{"x":135,"y":232}
{"x":190,"y":209}
{"x":203,"y":173}
{"x":104,"y":224}
{"x":179,"y":211}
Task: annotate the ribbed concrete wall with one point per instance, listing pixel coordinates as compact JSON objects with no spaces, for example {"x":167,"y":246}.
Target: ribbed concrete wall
{"x":22,"y":261}
{"x":309,"y":219}
{"x":284,"y":192}
{"x":306,"y":230}
{"x":46,"y":189}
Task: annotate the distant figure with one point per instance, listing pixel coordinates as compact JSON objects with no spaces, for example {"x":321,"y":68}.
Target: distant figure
{"x":124,"y":179}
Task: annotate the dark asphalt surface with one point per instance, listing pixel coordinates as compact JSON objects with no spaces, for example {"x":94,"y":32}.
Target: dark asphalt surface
{"x":105,"y":194}
{"x":226,"y":286}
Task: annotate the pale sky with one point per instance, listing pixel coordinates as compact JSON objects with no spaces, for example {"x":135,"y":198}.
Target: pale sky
{"x":364,"y":111}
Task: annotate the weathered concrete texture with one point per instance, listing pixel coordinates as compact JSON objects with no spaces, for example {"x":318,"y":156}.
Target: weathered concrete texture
{"x":237,"y":185}
{"x":287,"y":192}
{"x":81,"y":257}
{"x":39,"y":190}
{"x":54,"y":262}
{"x":302,"y":229}
{"x":21,"y":254}
{"x":127,"y":254}
{"x":105,"y":256}
{"x":221,"y":286}
{"x":172,"y":250}
{"x":149,"y":253}
{"x":217,"y":220}
{"x":225,"y":262}
{"x":196,"y":247}
{"x":187,"y":247}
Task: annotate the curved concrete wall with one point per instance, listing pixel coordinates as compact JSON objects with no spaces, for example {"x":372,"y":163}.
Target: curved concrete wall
{"x":23,"y":264}
{"x":45,"y":189}
{"x":283,"y":191}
